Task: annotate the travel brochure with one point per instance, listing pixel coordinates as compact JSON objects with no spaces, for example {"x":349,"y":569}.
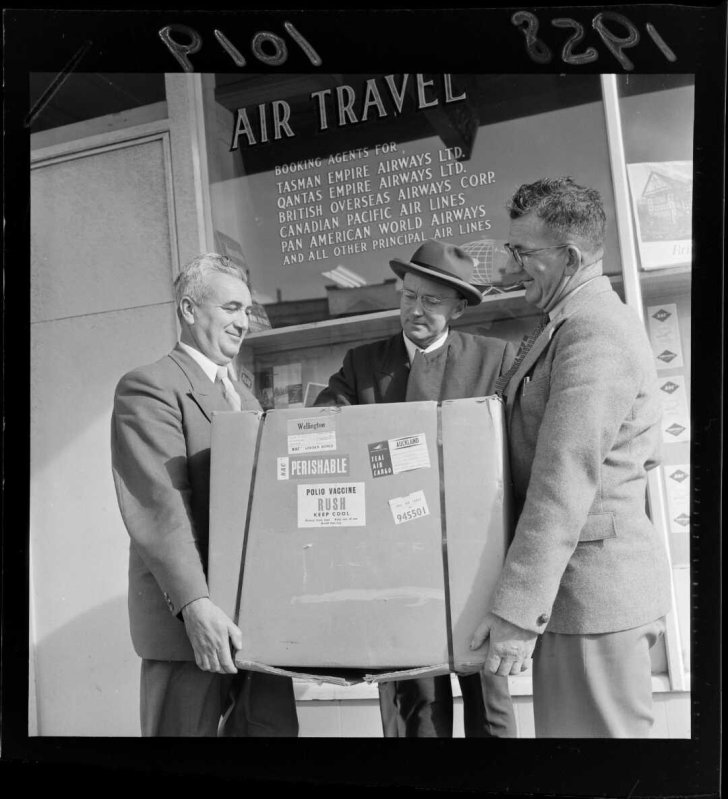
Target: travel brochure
{"x":662,"y":204}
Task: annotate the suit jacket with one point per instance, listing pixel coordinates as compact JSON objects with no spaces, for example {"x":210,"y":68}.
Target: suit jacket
{"x":583,"y":415}
{"x":160,"y":448}
{"x":378,"y":372}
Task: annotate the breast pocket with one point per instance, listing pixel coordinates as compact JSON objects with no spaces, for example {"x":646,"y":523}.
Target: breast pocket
{"x":598,"y":527}
{"x":534,"y":396}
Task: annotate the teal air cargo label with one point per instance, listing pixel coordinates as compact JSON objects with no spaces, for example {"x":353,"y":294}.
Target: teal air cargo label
{"x":379,"y":459}
{"x":399,"y":455}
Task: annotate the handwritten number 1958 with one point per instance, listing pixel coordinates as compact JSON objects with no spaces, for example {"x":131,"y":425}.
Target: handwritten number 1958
{"x":539,"y":52}
{"x":568,"y":56}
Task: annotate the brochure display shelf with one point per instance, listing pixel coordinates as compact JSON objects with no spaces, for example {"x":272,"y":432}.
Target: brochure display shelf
{"x":380,"y":324}
{"x":368,"y":327}
{"x":665,"y":282}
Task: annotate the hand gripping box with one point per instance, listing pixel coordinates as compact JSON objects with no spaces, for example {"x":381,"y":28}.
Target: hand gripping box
{"x":364,"y":538}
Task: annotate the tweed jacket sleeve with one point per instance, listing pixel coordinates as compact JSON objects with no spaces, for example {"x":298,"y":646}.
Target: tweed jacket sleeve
{"x":582,"y":409}
{"x":150,"y":469}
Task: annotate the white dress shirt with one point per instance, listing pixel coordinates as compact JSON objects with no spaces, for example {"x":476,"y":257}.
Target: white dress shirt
{"x":208,"y":367}
{"x":412,"y":348}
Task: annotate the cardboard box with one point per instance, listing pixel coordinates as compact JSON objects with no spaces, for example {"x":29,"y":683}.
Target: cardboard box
{"x":365,"y":537}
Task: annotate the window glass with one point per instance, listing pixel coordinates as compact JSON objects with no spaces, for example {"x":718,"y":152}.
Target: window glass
{"x":657,"y":119}
{"x":82,"y":96}
{"x":317,"y":181}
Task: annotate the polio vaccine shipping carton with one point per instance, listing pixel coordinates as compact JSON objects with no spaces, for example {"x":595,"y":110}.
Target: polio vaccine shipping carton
{"x":365,"y":538}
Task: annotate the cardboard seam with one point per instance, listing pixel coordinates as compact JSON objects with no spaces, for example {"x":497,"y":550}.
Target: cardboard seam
{"x":248,"y":515}
{"x":443,"y":518}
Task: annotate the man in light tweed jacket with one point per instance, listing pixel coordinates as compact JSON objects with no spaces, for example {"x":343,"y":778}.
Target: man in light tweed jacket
{"x":586,"y":580}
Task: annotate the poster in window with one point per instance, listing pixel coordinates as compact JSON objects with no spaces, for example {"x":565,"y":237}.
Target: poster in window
{"x":662,"y":204}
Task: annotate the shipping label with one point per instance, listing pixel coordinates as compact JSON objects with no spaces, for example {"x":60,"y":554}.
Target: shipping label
{"x":315,"y":434}
{"x":331,"y":505}
{"x":409,"y":508}
{"x":298,"y":466}
{"x":399,"y":455}
{"x":379,"y":459}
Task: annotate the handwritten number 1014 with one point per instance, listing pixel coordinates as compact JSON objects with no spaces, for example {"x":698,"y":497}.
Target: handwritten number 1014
{"x":539,"y":52}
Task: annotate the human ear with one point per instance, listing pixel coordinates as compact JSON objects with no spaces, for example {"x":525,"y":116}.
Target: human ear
{"x":574,"y":259}
{"x":459,"y":309}
{"x":186,"y":308}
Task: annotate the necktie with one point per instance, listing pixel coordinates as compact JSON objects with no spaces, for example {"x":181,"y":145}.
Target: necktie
{"x":228,"y":390}
{"x":528,"y":341}
{"x":425,"y":377}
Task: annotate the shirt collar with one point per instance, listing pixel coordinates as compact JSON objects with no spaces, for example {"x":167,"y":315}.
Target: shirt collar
{"x":556,"y":310}
{"x":208,"y":367}
{"x":412,"y":348}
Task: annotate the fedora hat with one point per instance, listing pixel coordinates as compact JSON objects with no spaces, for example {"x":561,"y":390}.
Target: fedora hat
{"x":443,"y":262}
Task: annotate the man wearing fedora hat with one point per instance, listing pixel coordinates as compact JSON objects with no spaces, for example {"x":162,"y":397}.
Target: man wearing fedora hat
{"x":429,"y":361}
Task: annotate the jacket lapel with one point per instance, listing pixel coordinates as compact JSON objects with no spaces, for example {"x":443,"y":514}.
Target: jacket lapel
{"x":202,"y":389}
{"x":454,"y":370}
{"x":248,"y":399}
{"x":531,"y":357}
{"x":392,"y":371}
{"x":595,"y":287}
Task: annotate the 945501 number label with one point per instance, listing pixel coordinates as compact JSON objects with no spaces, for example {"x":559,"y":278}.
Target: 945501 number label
{"x":408,"y":515}
{"x":406,"y":509}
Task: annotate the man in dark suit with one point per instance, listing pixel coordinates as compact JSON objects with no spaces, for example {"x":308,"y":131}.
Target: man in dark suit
{"x":160,"y":443}
{"x":429,"y":361}
{"x":586,"y":573}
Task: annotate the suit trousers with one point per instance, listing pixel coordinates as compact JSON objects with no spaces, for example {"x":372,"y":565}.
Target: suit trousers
{"x":179,"y":699}
{"x":423,"y":707}
{"x":595,"y":686}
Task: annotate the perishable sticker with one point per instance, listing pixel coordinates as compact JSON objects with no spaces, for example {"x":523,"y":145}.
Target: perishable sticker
{"x":298,"y":466}
{"x":409,"y":508}
{"x":331,"y":505}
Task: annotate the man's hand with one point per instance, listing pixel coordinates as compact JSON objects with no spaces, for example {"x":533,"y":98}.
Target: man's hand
{"x":510,"y":647}
{"x":211,"y":631}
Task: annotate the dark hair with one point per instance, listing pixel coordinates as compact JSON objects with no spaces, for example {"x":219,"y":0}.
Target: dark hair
{"x":570,"y":210}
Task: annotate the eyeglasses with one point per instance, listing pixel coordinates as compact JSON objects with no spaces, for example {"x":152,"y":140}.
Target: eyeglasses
{"x":517,"y":255}
{"x":430,"y":302}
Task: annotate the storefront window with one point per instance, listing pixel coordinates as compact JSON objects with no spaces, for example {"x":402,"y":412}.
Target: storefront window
{"x":657,"y":123}
{"x":83,"y":95}
{"x":317,"y":181}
